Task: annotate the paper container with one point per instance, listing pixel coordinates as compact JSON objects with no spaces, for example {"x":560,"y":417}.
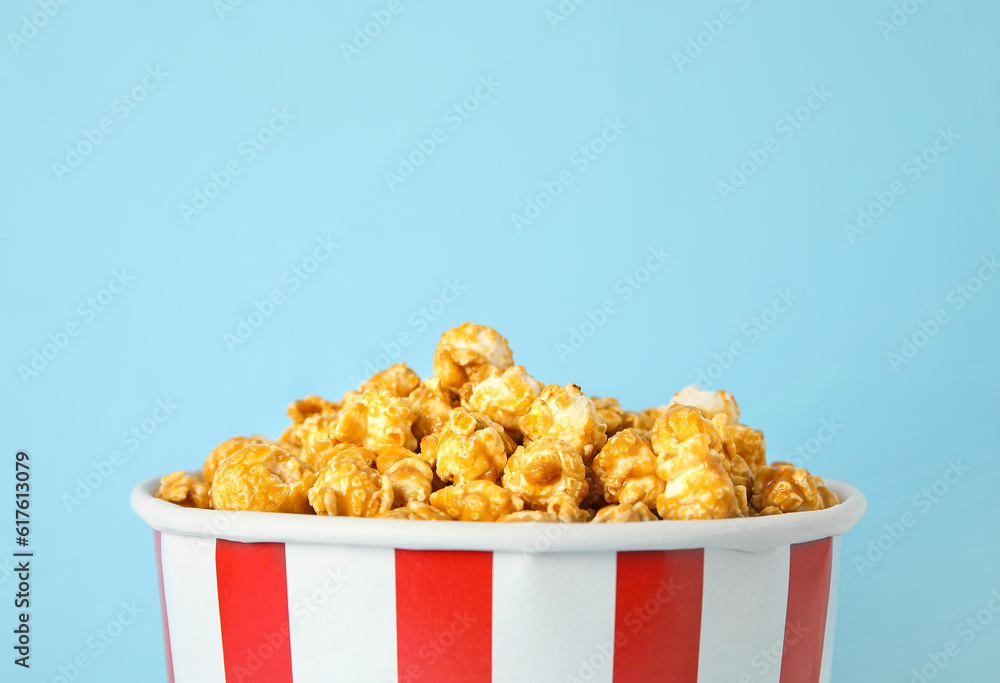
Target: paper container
{"x":251,"y":596}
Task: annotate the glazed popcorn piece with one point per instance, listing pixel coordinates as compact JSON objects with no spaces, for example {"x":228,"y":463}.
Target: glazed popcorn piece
{"x":829,"y":497}
{"x":682,"y":422}
{"x":398,"y":378}
{"x":322,"y":453}
{"x":431,"y":404}
{"x":375,"y":419}
{"x":290,"y":447}
{"x":476,"y":501}
{"x":787,"y":489}
{"x":503,"y":396}
{"x":310,"y":406}
{"x":415,"y":510}
{"x":567,"y":414}
{"x":185,"y":490}
{"x":711,"y":403}
{"x":610,"y":412}
{"x":623,"y":512}
{"x":750,"y":446}
{"x":697,"y":485}
{"x":646,"y":420}
{"x":470,"y":446}
{"x":593,"y":500}
{"x":566,"y":509}
{"x":530,"y":516}
{"x":223,"y":451}
{"x":347,"y":489}
{"x":411,"y":480}
{"x":766,"y":512}
{"x":679,"y":423}
{"x":625,"y":471}
{"x":264,"y":478}
{"x":313,"y":429}
{"x":390,"y":455}
{"x":465,"y":352}
{"x":544,"y":469}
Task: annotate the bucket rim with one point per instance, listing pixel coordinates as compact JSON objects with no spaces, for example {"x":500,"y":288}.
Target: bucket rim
{"x":747,"y":534}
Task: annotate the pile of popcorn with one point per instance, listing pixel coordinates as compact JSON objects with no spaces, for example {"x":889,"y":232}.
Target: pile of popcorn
{"x":482,"y":440}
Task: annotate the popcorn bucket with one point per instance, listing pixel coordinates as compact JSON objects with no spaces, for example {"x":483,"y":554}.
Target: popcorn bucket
{"x":250,"y":596}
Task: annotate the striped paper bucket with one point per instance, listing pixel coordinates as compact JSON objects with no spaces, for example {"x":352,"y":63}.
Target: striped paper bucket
{"x":273,"y":598}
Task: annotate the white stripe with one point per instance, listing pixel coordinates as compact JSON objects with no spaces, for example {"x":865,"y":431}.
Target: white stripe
{"x":831,"y":613}
{"x":342,"y":612}
{"x":553,"y":617}
{"x":743,"y":615}
{"x":192,"y":598}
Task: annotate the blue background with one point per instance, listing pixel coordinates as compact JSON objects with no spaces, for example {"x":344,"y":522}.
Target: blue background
{"x":656,"y":185}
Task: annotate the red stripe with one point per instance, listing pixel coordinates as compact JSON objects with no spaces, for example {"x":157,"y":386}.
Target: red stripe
{"x":444,"y":616}
{"x":658,"y":616}
{"x":253,"y":611}
{"x":157,"y":540}
{"x":805,"y":618}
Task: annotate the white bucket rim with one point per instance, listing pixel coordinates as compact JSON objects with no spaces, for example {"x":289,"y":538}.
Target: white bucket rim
{"x":747,"y":534}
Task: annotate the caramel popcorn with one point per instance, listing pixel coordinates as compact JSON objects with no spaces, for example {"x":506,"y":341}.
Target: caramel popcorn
{"x":431,"y":404}
{"x":711,"y":403}
{"x":697,"y":485}
{"x":750,"y":446}
{"x":390,"y":455}
{"x":610,"y":412}
{"x":411,"y":480}
{"x":289,"y":447}
{"x":313,"y":429}
{"x":310,"y":406}
{"x":682,"y":422}
{"x":567,"y":414}
{"x":623,"y":512}
{"x":185,"y":490}
{"x":679,"y":423}
{"x":223,"y":451}
{"x":625,"y":471}
{"x":787,"y":488}
{"x":829,"y":497}
{"x":375,"y":419}
{"x":465,"y":352}
{"x":469,"y":446}
{"x":544,"y":469}
{"x":566,"y":508}
{"x":321,"y":453}
{"x":482,"y":440}
{"x":416,"y":510}
{"x":593,"y":500}
{"x":348,"y":489}
{"x":398,"y":378}
{"x":646,"y":420}
{"x":264,"y":478}
{"x":503,"y":396}
{"x":476,"y":501}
